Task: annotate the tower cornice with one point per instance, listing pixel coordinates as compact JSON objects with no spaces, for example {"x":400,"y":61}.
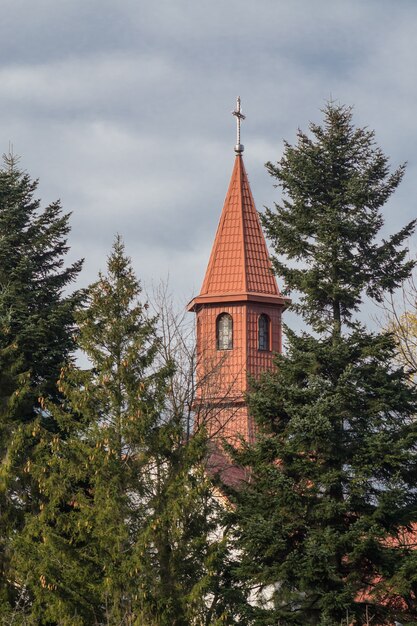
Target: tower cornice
{"x":225,"y":298}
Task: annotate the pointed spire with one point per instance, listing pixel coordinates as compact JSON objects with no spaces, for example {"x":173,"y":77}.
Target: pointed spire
{"x":239,"y":267}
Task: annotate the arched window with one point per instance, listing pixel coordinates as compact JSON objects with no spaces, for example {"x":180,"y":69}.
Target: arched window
{"x":224,"y":332}
{"x":263,"y":332}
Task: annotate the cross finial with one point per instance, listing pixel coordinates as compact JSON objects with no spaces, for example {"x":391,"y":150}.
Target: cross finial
{"x":239,"y":116}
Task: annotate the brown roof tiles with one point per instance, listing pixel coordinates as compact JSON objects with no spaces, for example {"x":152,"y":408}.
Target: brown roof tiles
{"x":239,"y":261}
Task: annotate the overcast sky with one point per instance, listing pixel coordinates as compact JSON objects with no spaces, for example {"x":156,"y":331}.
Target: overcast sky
{"x":122,"y":109}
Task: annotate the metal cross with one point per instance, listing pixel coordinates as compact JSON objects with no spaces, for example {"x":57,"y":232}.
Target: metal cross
{"x":239,"y":116}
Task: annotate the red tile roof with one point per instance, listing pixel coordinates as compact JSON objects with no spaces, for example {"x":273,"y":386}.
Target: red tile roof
{"x":239,"y":261}
{"x":220,"y":468}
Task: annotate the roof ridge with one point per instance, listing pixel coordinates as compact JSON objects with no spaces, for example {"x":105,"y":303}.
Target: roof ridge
{"x":244,"y":252}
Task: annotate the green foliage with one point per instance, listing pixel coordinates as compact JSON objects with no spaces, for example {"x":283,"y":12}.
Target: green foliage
{"x":123,"y":536}
{"x":36,"y":328}
{"x":334,"y":186}
{"x":320,"y":524}
{"x":333,"y":476}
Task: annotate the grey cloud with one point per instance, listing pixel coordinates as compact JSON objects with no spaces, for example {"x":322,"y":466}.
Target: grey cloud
{"x":123,"y":109}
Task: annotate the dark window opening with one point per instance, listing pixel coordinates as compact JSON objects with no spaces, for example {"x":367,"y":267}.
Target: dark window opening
{"x":263,"y":332}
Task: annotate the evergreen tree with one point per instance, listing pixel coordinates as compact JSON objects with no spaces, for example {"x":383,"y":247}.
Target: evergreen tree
{"x":36,"y":328}
{"x":334,"y":468}
{"x":123,"y":536}
{"x":334,"y":186}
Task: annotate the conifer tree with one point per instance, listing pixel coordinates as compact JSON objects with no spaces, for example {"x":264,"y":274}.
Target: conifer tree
{"x":123,"y":534}
{"x":323,"y":523}
{"x":36,"y":328}
{"x":334,"y":186}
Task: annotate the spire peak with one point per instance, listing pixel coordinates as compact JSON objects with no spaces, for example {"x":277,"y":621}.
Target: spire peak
{"x":239,"y":117}
{"x":239,"y":267}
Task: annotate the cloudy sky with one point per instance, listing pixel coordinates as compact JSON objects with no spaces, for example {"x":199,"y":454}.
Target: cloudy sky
{"x":122,"y":109}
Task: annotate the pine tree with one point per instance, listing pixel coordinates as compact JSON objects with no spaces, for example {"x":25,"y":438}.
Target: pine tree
{"x":123,"y":536}
{"x":36,"y":328}
{"x":334,"y":187}
{"x":321,"y":524}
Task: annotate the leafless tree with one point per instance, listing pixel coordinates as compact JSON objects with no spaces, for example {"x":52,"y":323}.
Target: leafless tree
{"x":400,"y":317}
{"x":203,"y":389}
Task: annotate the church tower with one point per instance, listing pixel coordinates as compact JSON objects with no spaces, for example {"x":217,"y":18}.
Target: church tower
{"x":238,"y":311}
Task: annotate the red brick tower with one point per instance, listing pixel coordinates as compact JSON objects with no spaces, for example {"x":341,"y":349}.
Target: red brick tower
{"x":238,"y":310}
